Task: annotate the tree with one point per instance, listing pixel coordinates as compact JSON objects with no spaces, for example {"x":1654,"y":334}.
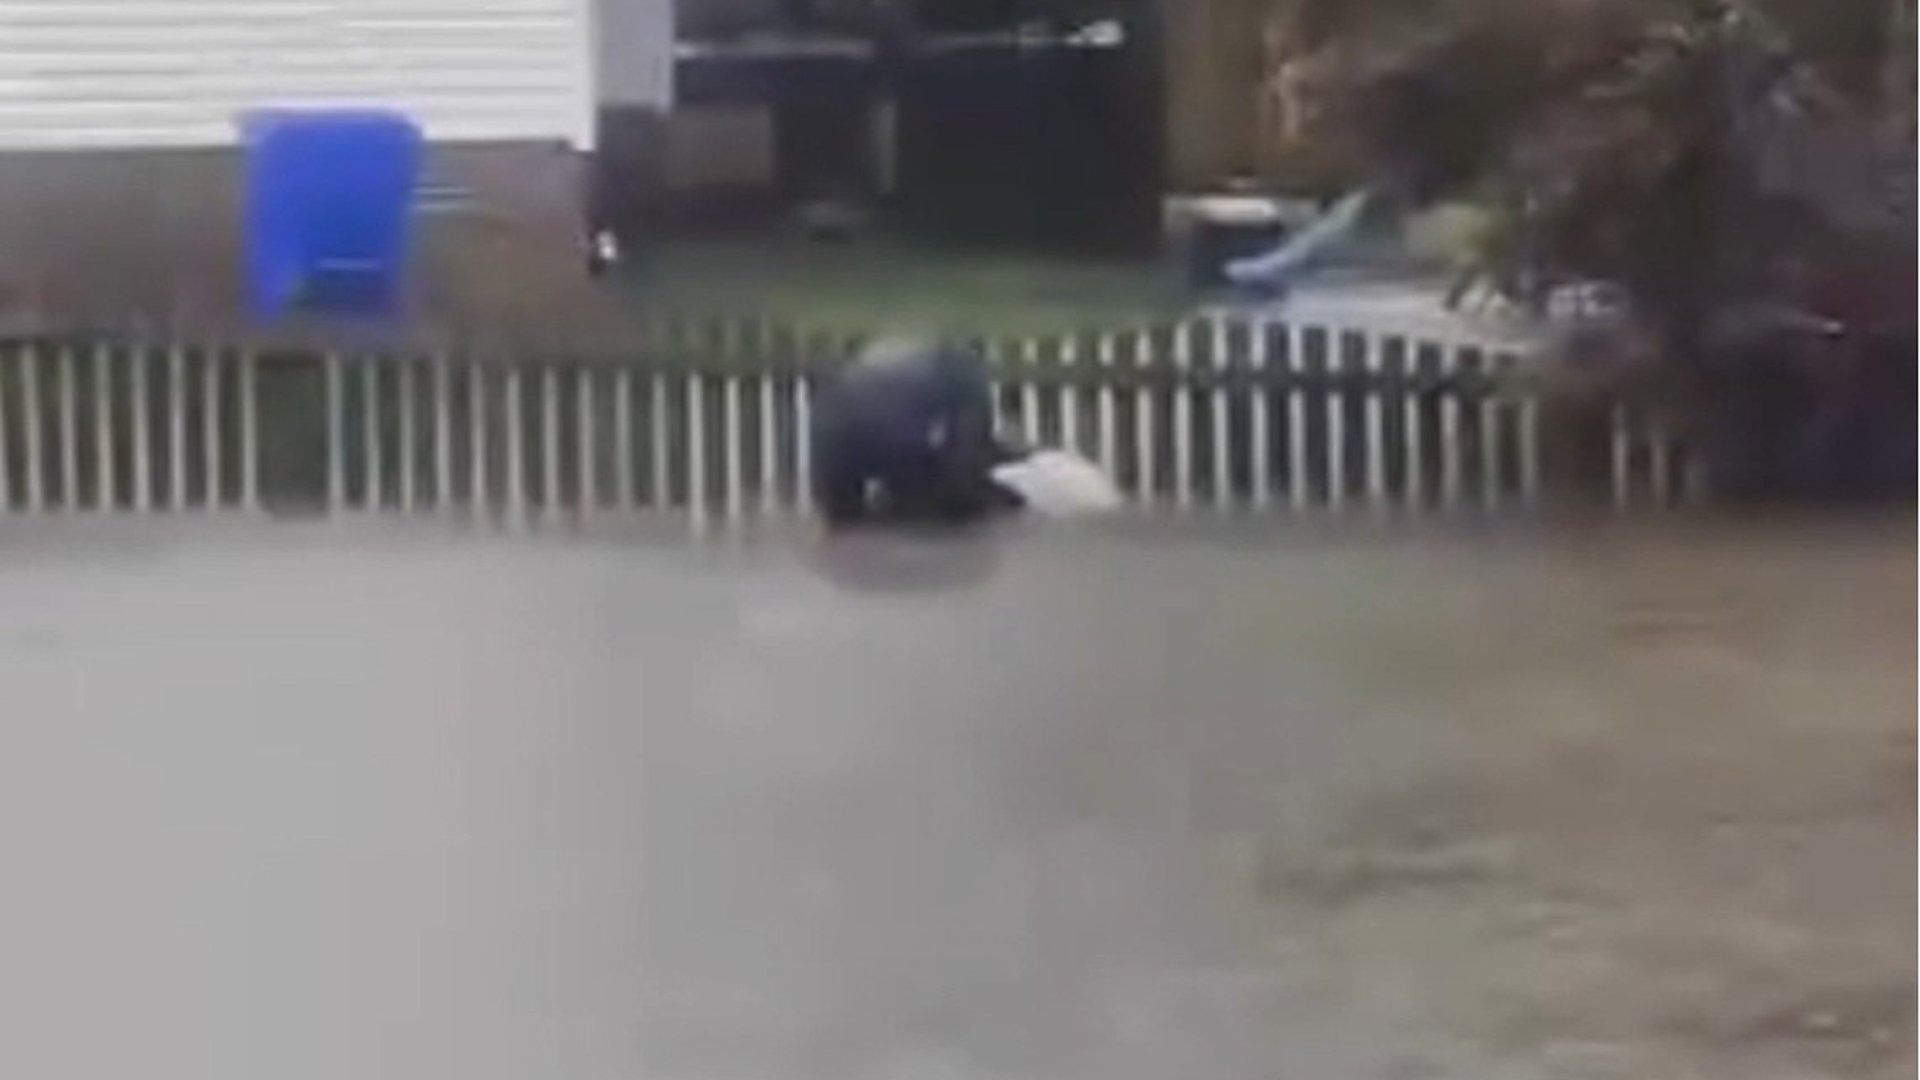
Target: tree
{"x":1711,"y":157}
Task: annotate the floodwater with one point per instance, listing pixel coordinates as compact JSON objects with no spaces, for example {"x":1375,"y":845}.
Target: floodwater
{"x":1129,"y":800}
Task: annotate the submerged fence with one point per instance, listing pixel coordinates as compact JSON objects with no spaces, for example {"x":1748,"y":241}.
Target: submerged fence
{"x":709,"y":418}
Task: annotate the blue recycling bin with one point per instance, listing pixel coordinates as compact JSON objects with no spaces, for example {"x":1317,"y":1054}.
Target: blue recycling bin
{"x":328,"y":199}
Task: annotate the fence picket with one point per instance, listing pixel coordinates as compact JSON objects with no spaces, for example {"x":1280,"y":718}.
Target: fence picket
{"x":1620,"y":458}
{"x":1106,"y":408}
{"x":6,"y":441}
{"x":69,"y":432}
{"x":34,"y":445}
{"x":516,"y":450}
{"x":249,"y":404}
{"x":661,"y":480}
{"x":404,"y":394}
{"x":210,"y":441}
{"x":696,"y":405}
{"x":733,"y":450}
{"x":6,"y":431}
{"x":443,"y":496}
{"x":1412,"y":358}
{"x":1375,"y":422}
{"x":1070,"y":397}
{"x":803,"y":441}
{"x":104,"y":496}
{"x":140,"y":458}
{"x":1222,"y":430}
{"x":587,"y":477}
{"x":1529,"y":438}
{"x":1659,"y":465}
{"x":372,"y":486}
{"x":1259,"y":420}
{"x":623,"y":448}
{"x":550,"y":504}
{"x":1451,"y":452}
{"x":1334,"y":366}
{"x":177,"y":426}
{"x":1146,"y":450}
{"x":1184,"y":404}
{"x":769,"y":446}
{"x":336,"y":409}
{"x":1299,"y":490}
{"x":478,"y":485}
{"x":1492,"y":419}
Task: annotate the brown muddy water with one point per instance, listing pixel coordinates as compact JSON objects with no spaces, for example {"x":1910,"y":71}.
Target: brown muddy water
{"x":1142,"y":800}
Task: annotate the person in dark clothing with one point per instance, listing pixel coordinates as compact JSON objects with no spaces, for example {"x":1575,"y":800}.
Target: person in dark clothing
{"x":905,"y":434}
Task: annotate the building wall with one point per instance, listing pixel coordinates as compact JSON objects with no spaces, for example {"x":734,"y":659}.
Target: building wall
{"x":92,"y":74}
{"x":119,"y":235}
{"x":119,"y":164}
{"x":633,"y":53}
{"x":633,"y":73}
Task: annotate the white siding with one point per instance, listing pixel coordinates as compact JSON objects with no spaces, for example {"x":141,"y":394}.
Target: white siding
{"x":634,"y":57}
{"x":170,"y":73}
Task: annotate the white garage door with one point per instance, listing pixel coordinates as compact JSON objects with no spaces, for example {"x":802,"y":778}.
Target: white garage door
{"x":161,"y":73}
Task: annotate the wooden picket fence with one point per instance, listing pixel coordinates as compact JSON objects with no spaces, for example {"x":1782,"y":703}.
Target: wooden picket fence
{"x":707,"y":417}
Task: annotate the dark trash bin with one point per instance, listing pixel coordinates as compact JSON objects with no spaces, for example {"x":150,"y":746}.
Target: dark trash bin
{"x":1228,"y":229}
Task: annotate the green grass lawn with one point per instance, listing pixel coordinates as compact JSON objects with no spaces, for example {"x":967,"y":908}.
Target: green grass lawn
{"x":883,"y":284}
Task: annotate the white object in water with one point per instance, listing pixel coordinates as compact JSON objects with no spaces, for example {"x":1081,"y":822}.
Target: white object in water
{"x":1058,"y":483}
